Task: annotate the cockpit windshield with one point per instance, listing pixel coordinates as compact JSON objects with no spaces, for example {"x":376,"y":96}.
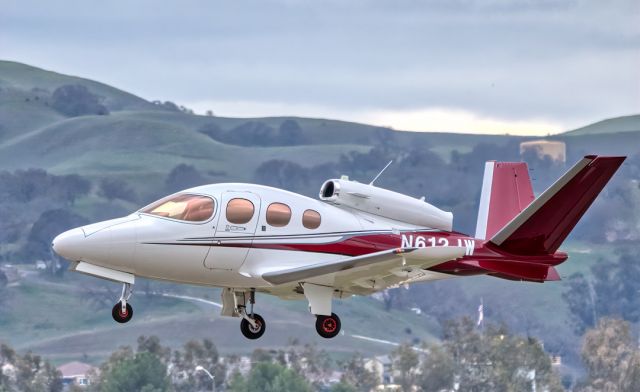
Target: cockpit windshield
{"x":185,"y":207}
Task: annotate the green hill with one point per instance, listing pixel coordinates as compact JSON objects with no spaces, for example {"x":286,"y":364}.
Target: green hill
{"x":26,"y":78}
{"x":610,"y":125}
{"x":139,"y":140}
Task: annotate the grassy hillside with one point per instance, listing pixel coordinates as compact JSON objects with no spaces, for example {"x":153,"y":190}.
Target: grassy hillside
{"x":64,"y":321}
{"x":32,"y":134}
{"x":610,"y":125}
{"x":22,"y":77}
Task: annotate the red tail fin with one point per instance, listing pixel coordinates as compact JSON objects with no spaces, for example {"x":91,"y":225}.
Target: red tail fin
{"x":547,"y":221}
{"x":506,"y":191}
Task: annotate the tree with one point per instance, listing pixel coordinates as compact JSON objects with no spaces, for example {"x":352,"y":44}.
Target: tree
{"x":198,"y":353}
{"x":28,"y":373}
{"x":69,"y":188}
{"x":579,"y":297}
{"x":611,"y":358}
{"x":269,"y":377}
{"x":494,"y":359}
{"x":251,"y":133}
{"x":343,"y":387}
{"x":437,"y":370}
{"x":76,"y":100}
{"x":290,"y":133}
{"x":307,"y":361}
{"x":613,"y":292}
{"x":144,"y":372}
{"x":405,"y":363}
{"x":152,"y":345}
{"x":49,"y":224}
{"x":116,"y":188}
{"x":183,"y":176}
{"x":282,"y":174}
{"x":357,"y":375}
{"x":212,"y":130}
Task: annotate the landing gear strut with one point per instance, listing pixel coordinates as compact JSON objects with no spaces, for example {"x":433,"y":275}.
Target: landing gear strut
{"x":122,"y":311}
{"x":252,"y":325}
{"x":328,"y":326}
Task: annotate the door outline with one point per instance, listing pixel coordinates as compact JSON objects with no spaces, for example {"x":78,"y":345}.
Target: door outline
{"x":232,"y":257}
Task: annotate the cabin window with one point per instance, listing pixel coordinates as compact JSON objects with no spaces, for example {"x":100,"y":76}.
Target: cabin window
{"x":278,"y":214}
{"x":185,"y":207}
{"x":311,"y":219}
{"x":239,"y":211}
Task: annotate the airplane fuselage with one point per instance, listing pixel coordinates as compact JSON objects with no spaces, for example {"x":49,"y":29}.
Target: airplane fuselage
{"x":219,"y":253}
{"x":356,"y":240}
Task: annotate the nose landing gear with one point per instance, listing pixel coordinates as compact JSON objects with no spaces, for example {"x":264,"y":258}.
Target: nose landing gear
{"x":252,"y":325}
{"x":122,"y":311}
{"x":328,"y":326}
{"x":255,"y":330}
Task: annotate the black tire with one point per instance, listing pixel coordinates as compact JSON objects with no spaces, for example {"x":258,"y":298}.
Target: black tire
{"x":328,"y":326}
{"x":252,"y":333}
{"x":117,"y":315}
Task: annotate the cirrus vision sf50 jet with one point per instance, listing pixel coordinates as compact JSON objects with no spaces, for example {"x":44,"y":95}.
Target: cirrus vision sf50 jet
{"x":356,"y":240}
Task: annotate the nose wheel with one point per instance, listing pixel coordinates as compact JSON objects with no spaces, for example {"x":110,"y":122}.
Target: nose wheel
{"x":120,"y":316}
{"x":328,"y":326}
{"x":122,"y":311}
{"x":252,"y":324}
{"x":255,"y":330}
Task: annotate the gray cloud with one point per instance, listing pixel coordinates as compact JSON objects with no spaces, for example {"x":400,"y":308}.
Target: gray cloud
{"x":565,"y":61}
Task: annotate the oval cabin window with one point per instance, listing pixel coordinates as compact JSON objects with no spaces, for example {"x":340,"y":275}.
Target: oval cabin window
{"x":311,"y":219}
{"x":239,"y":211}
{"x":278,"y":214}
{"x":185,"y":207}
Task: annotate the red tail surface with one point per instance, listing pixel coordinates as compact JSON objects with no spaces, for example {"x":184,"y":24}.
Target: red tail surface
{"x":506,"y":191}
{"x":545,"y":223}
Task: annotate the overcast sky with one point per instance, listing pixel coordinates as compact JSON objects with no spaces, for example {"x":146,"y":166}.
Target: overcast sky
{"x":469,"y":66}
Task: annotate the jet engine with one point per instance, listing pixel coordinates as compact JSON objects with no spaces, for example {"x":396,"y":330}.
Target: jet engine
{"x":385,"y":203}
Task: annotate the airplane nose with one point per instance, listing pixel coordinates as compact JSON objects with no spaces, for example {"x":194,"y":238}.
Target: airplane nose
{"x":69,"y":244}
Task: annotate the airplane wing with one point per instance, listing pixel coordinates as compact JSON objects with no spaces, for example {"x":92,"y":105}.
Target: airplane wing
{"x":372,"y":272}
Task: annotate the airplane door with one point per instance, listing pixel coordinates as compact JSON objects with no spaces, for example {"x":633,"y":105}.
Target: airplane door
{"x":237,"y":222}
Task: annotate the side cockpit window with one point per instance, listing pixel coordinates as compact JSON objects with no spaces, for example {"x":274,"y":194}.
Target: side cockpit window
{"x":239,"y":211}
{"x":185,"y":207}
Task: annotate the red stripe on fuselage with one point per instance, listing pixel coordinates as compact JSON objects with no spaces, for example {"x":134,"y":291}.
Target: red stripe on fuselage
{"x":469,"y":264}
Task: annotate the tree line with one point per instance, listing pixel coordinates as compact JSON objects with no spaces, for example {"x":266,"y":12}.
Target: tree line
{"x":467,"y":358}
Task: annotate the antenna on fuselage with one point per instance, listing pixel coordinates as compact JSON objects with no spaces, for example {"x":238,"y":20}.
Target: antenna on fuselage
{"x":381,"y":171}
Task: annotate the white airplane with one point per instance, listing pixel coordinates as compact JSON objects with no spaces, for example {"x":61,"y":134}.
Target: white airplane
{"x":356,"y":240}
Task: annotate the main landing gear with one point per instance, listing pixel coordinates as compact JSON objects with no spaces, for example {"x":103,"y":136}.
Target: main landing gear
{"x":240,"y":303}
{"x":122,"y":311}
{"x":328,"y":326}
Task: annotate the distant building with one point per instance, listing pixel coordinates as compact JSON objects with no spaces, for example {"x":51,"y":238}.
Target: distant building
{"x":76,"y":373}
{"x":556,"y":150}
{"x":381,"y":366}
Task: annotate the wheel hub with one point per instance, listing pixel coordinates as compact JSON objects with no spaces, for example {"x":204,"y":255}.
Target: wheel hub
{"x":329,"y":325}
{"x":257,"y":328}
